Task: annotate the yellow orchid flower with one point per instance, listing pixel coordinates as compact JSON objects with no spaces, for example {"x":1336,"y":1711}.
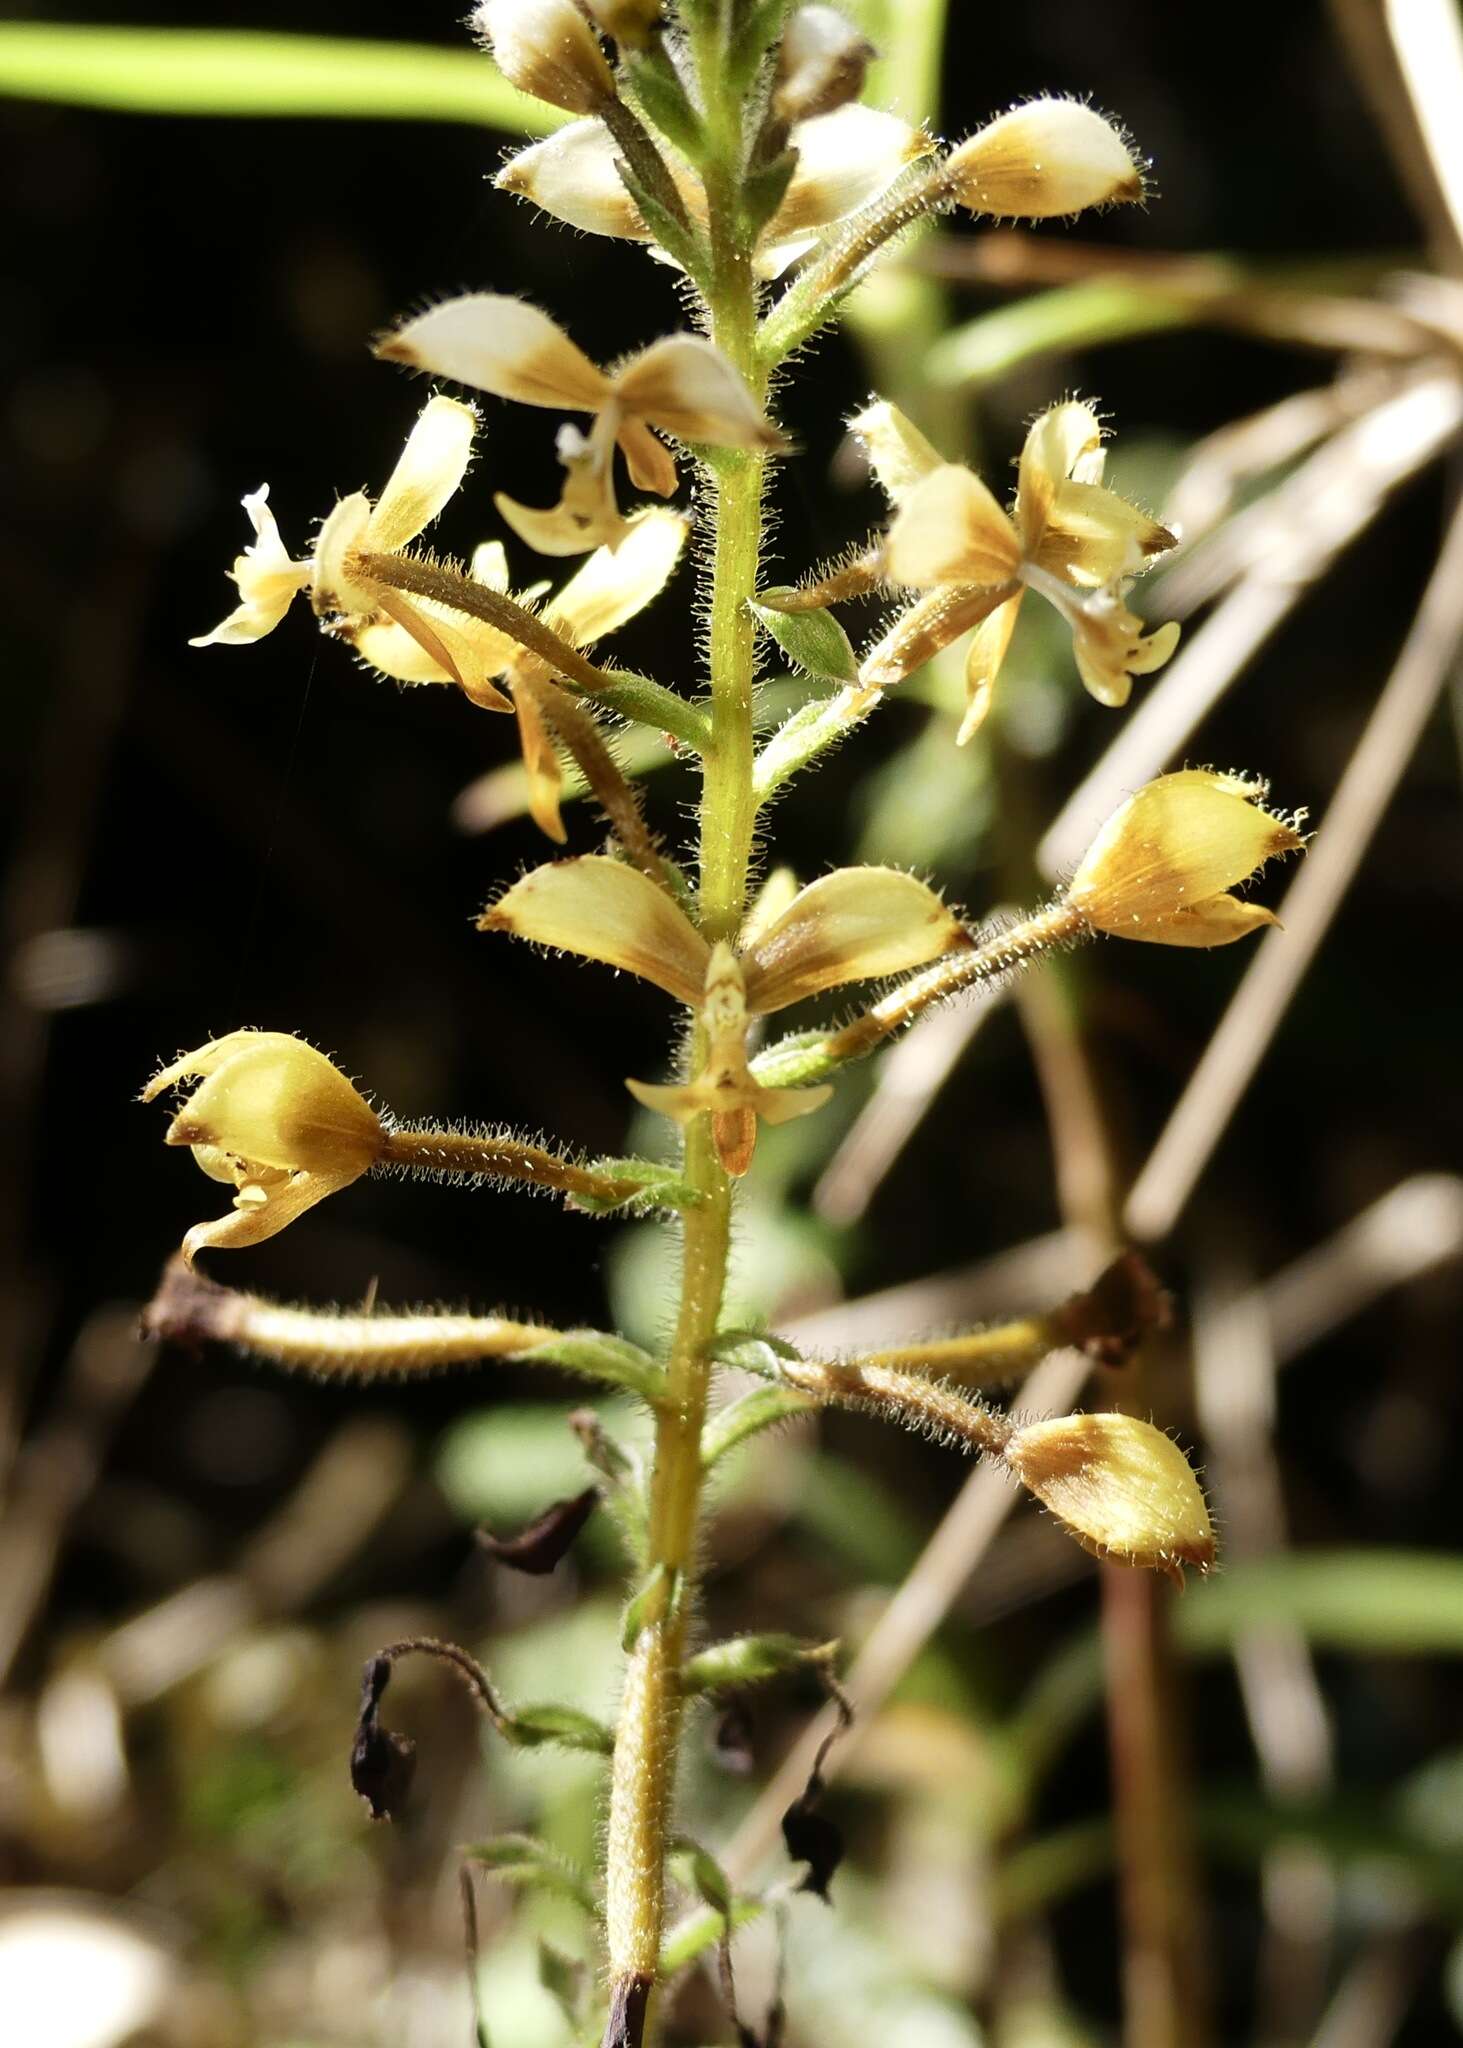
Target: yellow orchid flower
{"x":611,"y":587}
{"x":432,"y":466}
{"x":682,"y":384}
{"x":277,"y":1121}
{"x":1068,"y":537}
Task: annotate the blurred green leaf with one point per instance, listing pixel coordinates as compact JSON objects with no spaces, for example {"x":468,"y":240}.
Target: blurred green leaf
{"x":564,"y":1727}
{"x":519,"y":1860}
{"x":1404,"y":1603}
{"x":1070,"y":317}
{"x":507,"y":1462}
{"x":224,"y":71}
{"x":763,"y":1408}
{"x":1369,"y":1602}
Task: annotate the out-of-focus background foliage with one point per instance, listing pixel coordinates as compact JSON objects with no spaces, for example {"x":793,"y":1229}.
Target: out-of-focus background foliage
{"x":195,"y":1557}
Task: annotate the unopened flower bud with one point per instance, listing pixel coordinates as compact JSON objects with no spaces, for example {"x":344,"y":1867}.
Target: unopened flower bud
{"x":1049,"y":157}
{"x":1161,"y":866}
{"x":547,"y":48}
{"x":821,"y":64}
{"x":276,"y":1119}
{"x":628,"y":21}
{"x":1120,"y":1486}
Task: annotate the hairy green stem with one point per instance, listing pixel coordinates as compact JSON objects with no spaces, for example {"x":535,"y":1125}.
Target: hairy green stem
{"x":648,"y":1733}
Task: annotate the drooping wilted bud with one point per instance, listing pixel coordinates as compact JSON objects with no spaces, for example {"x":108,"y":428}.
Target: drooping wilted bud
{"x":811,"y":1838}
{"x":547,"y":48}
{"x":1120,"y":1486}
{"x":821,"y":64}
{"x":730,"y":1739}
{"x":1049,"y":157}
{"x":1161,"y":866}
{"x":1109,"y":1319}
{"x":547,"y":1539}
{"x":276,"y":1119}
{"x":382,"y":1763}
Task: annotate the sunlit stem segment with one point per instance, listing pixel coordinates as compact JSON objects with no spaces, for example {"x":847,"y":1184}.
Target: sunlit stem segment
{"x":903,"y":1397}
{"x":648,"y":1731}
{"x":813,"y":299}
{"x":980,"y":1358}
{"x":499,"y":1158}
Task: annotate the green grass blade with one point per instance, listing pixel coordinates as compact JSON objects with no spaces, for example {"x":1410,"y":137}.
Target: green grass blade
{"x":224,"y":71}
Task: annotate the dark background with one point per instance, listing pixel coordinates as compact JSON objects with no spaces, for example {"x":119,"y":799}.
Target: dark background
{"x":260,"y":836}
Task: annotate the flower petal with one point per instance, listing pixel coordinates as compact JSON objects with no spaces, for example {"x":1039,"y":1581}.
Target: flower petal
{"x":342,"y":534}
{"x":1180,"y":841}
{"x":206,"y":1059}
{"x":266,"y":577}
{"x":950,"y":529}
{"x":603,"y":910}
{"x":687,"y":386}
{"x":502,"y":345}
{"x":935,"y":621}
{"x":983,"y":664}
{"x":252,"y":1221}
{"x":1062,"y":442}
{"x":616,"y":583}
{"x":432,"y":465}
{"x":853,"y":925}
{"x":422,"y":642}
{"x":540,"y":762}
{"x":1111,"y":647}
{"x":651,"y":464}
{"x":1092,"y":536}
{"x":489,"y":566}
{"x":898,"y":453}
{"x":1219,"y":921}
